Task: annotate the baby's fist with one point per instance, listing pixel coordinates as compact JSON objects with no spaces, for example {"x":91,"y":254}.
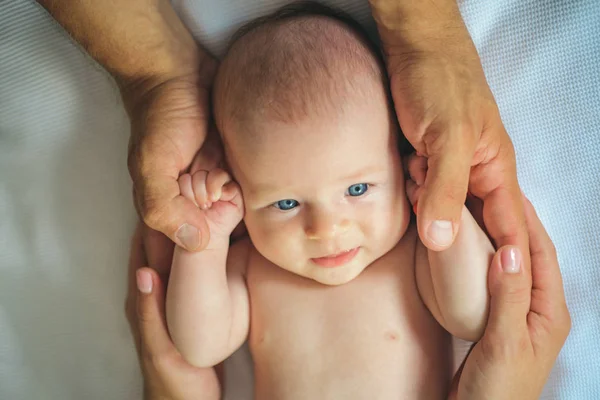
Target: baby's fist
{"x":221,"y":199}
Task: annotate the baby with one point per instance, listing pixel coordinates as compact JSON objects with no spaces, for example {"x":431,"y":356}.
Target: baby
{"x":334,"y":291}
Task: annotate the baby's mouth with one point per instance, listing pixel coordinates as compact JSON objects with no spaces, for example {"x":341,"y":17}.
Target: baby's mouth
{"x":336,"y":260}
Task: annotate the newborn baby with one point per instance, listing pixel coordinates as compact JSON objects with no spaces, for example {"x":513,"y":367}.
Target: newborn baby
{"x":333,"y":289}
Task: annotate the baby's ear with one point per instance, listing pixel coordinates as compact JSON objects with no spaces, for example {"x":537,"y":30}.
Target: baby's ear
{"x":210,"y":155}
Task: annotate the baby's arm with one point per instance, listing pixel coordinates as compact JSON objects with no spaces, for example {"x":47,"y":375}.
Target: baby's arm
{"x":207,"y":299}
{"x":453,"y":282}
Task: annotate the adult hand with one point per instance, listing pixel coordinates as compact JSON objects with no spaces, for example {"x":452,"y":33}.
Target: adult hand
{"x":514,"y":357}
{"x":167,"y":376}
{"x":447,"y":112}
{"x":164,"y":79}
{"x":169,"y":123}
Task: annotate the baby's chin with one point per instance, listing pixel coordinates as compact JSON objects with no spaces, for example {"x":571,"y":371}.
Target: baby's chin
{"x":335,"y":280}
{"x":334,"y":276}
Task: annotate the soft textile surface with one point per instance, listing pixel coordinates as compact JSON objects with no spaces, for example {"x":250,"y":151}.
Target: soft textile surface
{"x":66,"y":217}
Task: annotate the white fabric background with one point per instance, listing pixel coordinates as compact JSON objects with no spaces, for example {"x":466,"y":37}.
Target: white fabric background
{"x":66,"y":217}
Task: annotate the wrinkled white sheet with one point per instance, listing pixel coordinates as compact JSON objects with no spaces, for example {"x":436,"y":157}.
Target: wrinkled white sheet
{"x":66,"y":217}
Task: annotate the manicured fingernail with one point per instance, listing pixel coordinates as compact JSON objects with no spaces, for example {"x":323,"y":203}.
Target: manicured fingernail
{"x":511,"y":260}
{"x":188,"y":236}
{"x":440,"y":232}
{"x":415,"y":209}
{"x":144,"y":281}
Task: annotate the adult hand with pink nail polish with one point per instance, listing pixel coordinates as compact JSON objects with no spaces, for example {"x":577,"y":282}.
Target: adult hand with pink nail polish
{"x":447,"y":112}
{"x":527,"y":325}
{"x":167,"y":376}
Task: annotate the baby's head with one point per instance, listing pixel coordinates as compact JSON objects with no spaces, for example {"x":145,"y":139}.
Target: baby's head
{"x":302,"y":106}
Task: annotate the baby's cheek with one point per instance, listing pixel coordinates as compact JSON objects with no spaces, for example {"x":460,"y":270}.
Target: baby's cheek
{"x":267,"y":236}
{"x":388,"y":220}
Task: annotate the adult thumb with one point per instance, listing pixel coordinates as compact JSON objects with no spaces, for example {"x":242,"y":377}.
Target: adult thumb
{"x":442,"y":197}
{"x":510,"y":291}
{"x":163,"y":209}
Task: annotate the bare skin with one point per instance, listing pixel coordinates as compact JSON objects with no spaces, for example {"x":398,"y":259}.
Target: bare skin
{"x":521,"y":353}
{"x":334,"y":292}
{"x":165,"y":78}
{"x":370,"y":338}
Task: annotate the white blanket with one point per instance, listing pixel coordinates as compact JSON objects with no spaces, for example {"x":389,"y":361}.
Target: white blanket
{"x":66,"y":214}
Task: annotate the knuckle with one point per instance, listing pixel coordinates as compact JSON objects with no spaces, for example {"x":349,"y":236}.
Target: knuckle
{"x":151,"y":214}
{"x":451,"y":193}
{"x":518,"y":294}
{"x":507,"y":350}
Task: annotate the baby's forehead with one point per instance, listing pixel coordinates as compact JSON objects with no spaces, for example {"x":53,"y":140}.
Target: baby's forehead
{"x":318,"y":151}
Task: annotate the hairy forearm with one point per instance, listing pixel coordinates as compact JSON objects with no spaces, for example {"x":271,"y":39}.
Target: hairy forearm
{"x":200,"y":307}
{"x":135,"y":40}
{"x":458,"y":281}
{"x":417,"y":22}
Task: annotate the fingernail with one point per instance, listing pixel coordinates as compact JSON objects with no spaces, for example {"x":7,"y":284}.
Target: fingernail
{"x":188,"y":236}
{"x":511,"y":260}
{"x":440,"y":232}
{"x":144,"y":281}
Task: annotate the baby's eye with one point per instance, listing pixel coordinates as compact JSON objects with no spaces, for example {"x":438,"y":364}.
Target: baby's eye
{"x":286,"y":204}
{"x":357,"y":189}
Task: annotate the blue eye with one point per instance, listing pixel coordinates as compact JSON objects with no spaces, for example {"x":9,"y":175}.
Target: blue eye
{"x":358,"y":189}
{"x":286,"y":205}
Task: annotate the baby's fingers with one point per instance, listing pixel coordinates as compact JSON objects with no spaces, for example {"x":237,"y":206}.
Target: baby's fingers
{"x":232,"y":193}
{"x":185,"y":187}
{"x":417,"y":168}
{"x":215,"y":181}
{"x":413,"y":191}
{"x":200,"y":192}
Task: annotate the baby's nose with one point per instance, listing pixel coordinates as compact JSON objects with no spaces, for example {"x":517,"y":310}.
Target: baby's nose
{"x":326,"y":226}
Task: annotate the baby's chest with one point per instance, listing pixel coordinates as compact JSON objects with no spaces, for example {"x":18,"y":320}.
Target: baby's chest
{"x":378,"y":314}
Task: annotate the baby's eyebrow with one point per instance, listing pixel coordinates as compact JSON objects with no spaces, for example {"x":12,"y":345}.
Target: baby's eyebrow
{"x":366,"y":172}
{"x":268,"y":189}
{"x":264,"y":189}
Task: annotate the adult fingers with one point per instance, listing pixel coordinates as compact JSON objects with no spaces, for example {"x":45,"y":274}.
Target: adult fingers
{"x":547,"y":295}
{"x":494,"y":180}
{"x":444,"y":192}
{"x":158,"y":250}
{"x":136,"y":260}
{"x":510,"y":295}
{"x":152,"y":324}
{"x":163,"y":209}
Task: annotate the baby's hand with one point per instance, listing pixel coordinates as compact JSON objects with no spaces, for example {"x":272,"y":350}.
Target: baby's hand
{"x":416,"y":166}
{"x":219,"y":197}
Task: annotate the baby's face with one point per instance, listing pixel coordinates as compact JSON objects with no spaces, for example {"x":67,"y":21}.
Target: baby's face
{"x":325,"y":197}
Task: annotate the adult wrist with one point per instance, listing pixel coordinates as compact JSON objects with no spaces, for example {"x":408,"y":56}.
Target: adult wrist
{"x":414,"y":26}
